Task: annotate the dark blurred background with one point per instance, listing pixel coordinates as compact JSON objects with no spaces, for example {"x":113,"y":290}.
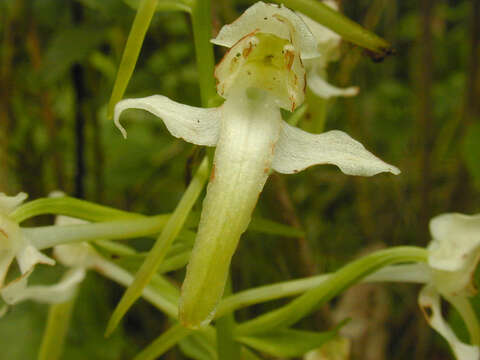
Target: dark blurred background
{"x":418,"y":110}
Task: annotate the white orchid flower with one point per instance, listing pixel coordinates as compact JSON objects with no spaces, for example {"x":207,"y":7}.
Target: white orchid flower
{"x":454,"y":254}
{"x":328,"y":43}
{"x":261,"y":73}
{"x":15,"y":245}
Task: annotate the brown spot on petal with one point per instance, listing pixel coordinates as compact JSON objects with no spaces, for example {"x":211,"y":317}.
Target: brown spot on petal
{"x":212,"y":174}
{"x":247,"y":50}
{"x":231,"y":49}
{"x":289,"y":57}
{"x":427,"y":312}
{"x":3,"y":233}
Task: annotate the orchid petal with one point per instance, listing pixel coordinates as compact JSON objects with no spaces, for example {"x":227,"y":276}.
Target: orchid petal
{"x":271,"y":19}
{"x":251,"y":126}
{"x":76,"y":255}
{"x":29,"y":256}
{"x":454,"y":252}
{"x":18,"y":290}
{"x":297,"y":149}
{"x":429,"y":301}
{"x":325,"y":90}
{"x":195,"y":125}
{"x":455,"y":237}
{"x":9,"y":203}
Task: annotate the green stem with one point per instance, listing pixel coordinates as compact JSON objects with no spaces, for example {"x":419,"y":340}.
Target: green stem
{"x":160,"y":249}
{"x":466,"y":311}
{"x":298,"y":115}
{"x":163,"y":343}
{"x":346,"y":28}
{"x":202,"y":32}
{"x":48,"y":236}
{"x":316,"y":114}
{"x":412,"y":273}
{"x":346,"y":276}
{"x":68,"y":206}
{"x":58,"y":322}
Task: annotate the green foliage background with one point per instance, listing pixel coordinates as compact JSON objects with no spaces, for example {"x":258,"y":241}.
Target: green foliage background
{"x":418,"y":110}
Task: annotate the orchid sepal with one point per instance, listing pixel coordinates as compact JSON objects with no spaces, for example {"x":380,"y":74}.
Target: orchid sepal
{"x":194,"y":125}
{"x":270,"y":19}
{"x":297,"y":150}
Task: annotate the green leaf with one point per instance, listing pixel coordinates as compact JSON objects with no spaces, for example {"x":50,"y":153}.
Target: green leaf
{"x":287,"y":342}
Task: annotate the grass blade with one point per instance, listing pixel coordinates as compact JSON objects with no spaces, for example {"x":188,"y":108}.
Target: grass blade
{"x":139,"y":28}
{"x":163,"y":343}
{"x":160,"y":249}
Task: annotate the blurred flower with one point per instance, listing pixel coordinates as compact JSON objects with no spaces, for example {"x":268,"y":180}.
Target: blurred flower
{"x":14,"y":245}
{"x":454,"y":254}
{"x":328,"y":44}
{"x":261,"y":73}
